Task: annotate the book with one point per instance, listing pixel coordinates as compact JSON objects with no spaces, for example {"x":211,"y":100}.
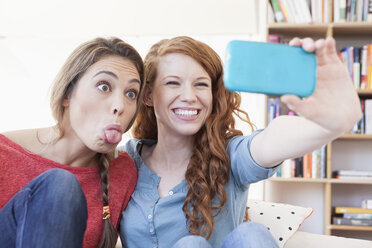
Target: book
{"x":369,"y":65}
{"x":270,"y":110}
{"x":355,"y":210}
{"x":353,"y":173}
{"x":362,"y":120}
{"x":292,"y":13}
{"x":336,"y":10}
{"x":342,"y":4}
{"x":365,"y":10}
{"x":367,"y":203}
{"x":284,"y":10}
{"x":270,"y":14}
{"x":351,"y":222}
{"x":315,"y":166}
{"x":368,"y":116}
{"x":307,"y":165}
{"x":299,"y":167}
{"x":316,"y":9}
{"x":348,"y":8}
{"x":286,"y":168}
{"x":274,"y":38}
{"x":277,"y":11}
{"x":357,"y":216}
{"x":359,"y":10}
{"x":352,"y":11}
{"x":326,"y":11}
{"x":364,"y":68}
{"x":356,"y":67}
{"x":323,"y":162}
{"x":369,"y":15}
{"x":305,"y":11}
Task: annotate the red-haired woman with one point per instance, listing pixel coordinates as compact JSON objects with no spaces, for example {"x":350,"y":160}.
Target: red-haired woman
{"x":195,"y":168}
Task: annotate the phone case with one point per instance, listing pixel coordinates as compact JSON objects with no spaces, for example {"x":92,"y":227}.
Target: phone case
{"x":269,"y":68}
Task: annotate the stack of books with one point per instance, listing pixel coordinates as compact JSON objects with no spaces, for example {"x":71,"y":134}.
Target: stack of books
{"x":353,"y":174}
{"x":317,"y":11}
{"x":353,"y":216}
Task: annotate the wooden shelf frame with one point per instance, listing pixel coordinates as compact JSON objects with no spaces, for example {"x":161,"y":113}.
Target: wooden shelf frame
{"x":350,"y":228}
{"x":338,"y":31}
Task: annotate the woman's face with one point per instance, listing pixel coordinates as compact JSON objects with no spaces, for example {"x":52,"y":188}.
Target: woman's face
{"x":182,"y":95}
{"x":103,"y":103}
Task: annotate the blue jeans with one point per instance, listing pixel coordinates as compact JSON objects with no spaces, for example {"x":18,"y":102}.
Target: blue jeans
{"x":50,"y":211}
{"x":246,"y":235}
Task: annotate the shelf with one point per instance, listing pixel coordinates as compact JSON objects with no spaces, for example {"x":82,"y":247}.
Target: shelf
{"x":352,"y":28}
{"x":365,"y":93}
{"x":319,"y":180}
{"x":321,"y":29}
{"x":349,"y":181}
{"x":350,"y":228}
{"x":298,"y":180}
{"x":355,"y":137}
{"x":299,"y":30}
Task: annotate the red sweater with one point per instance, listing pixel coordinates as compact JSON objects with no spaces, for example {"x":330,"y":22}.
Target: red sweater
{"x":18,"y":167}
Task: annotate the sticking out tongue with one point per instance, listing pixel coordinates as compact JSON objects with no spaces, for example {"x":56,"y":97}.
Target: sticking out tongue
{"x":111,"y":136}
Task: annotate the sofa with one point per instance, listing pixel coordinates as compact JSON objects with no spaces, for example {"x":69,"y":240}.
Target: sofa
{"x":310,"y":240}
{"x":284,"y":221}
{"x":267,"y":213}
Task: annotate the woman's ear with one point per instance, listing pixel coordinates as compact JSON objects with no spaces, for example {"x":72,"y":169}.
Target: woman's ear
{"x":148,"y":97}
{"x":66,"y":101}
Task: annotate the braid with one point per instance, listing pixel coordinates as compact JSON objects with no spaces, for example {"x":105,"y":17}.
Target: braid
{"x":109,"y":235}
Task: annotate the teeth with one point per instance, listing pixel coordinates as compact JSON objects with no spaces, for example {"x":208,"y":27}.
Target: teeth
{"x":186,"y":112}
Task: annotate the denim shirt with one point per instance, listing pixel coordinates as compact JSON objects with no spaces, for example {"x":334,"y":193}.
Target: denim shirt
{"x":151,"y":221}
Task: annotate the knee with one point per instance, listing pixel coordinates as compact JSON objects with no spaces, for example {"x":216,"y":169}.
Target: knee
{"x":253,"y":229}
{"x":60,"y":179}
{"x":248,"y":235}
{"x":63,"y":185}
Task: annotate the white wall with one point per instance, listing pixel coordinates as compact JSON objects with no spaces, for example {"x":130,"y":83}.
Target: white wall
{"x":124,"y":17}
{"x":37,"y":36}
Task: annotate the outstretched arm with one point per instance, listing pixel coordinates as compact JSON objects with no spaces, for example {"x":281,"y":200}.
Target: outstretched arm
{"x":332,"y":110}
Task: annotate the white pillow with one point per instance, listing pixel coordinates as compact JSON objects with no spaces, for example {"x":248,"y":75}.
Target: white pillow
{"x":282,"y":220}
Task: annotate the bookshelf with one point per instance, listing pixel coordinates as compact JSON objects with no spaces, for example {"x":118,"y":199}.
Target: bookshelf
{"x":347,"y":152}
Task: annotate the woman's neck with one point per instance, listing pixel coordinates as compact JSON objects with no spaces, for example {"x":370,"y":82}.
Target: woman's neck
{"x":67,"y":149}
{"x":170,"y":153}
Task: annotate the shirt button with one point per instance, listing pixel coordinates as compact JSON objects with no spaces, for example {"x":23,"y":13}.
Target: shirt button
{"x":149,"y":216}
{"x":171,"y":192}
{"x":152,"y":205}
{"x":154,"y":241}
{"x":151,"y":230}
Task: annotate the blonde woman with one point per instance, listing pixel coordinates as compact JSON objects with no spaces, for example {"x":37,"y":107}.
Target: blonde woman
{"x":61,"y":186}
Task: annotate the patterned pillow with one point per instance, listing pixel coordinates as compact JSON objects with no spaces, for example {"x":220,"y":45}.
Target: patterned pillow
{"x":282,"y":220}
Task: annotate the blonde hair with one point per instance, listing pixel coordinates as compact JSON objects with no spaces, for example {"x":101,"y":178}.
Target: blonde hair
{"x":75,"y":66}
{"x":208,"y":169}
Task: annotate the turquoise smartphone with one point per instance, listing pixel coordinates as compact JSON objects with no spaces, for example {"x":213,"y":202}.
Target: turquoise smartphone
{"x":269,"y":68}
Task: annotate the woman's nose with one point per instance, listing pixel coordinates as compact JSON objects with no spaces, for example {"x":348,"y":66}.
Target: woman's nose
{"x":188,"y":94}
{"x":117,"y":107}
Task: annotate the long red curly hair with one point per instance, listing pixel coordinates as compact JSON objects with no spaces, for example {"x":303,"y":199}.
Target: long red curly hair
{"x":208,"y":169}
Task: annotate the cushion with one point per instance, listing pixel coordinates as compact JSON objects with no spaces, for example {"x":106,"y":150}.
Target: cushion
{"x":282,"y":220}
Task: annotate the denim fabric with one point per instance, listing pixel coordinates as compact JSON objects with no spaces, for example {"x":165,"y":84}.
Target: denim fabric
{"x":192,"y":241}
{"x":151,"y":221}
{"x":246,"y":235}
{"x":50,"y":211}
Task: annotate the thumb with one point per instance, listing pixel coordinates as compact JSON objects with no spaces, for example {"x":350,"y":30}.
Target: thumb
{"x":293,"y":102}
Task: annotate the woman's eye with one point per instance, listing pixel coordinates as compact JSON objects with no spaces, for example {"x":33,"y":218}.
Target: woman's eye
{"x":132,"y":94}
{"x":105,"y":87}
{"x":172,"y":83}
{"x":202,"y":84}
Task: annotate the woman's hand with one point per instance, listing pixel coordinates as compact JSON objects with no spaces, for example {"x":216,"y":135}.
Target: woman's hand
{"x":334,"y":104}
